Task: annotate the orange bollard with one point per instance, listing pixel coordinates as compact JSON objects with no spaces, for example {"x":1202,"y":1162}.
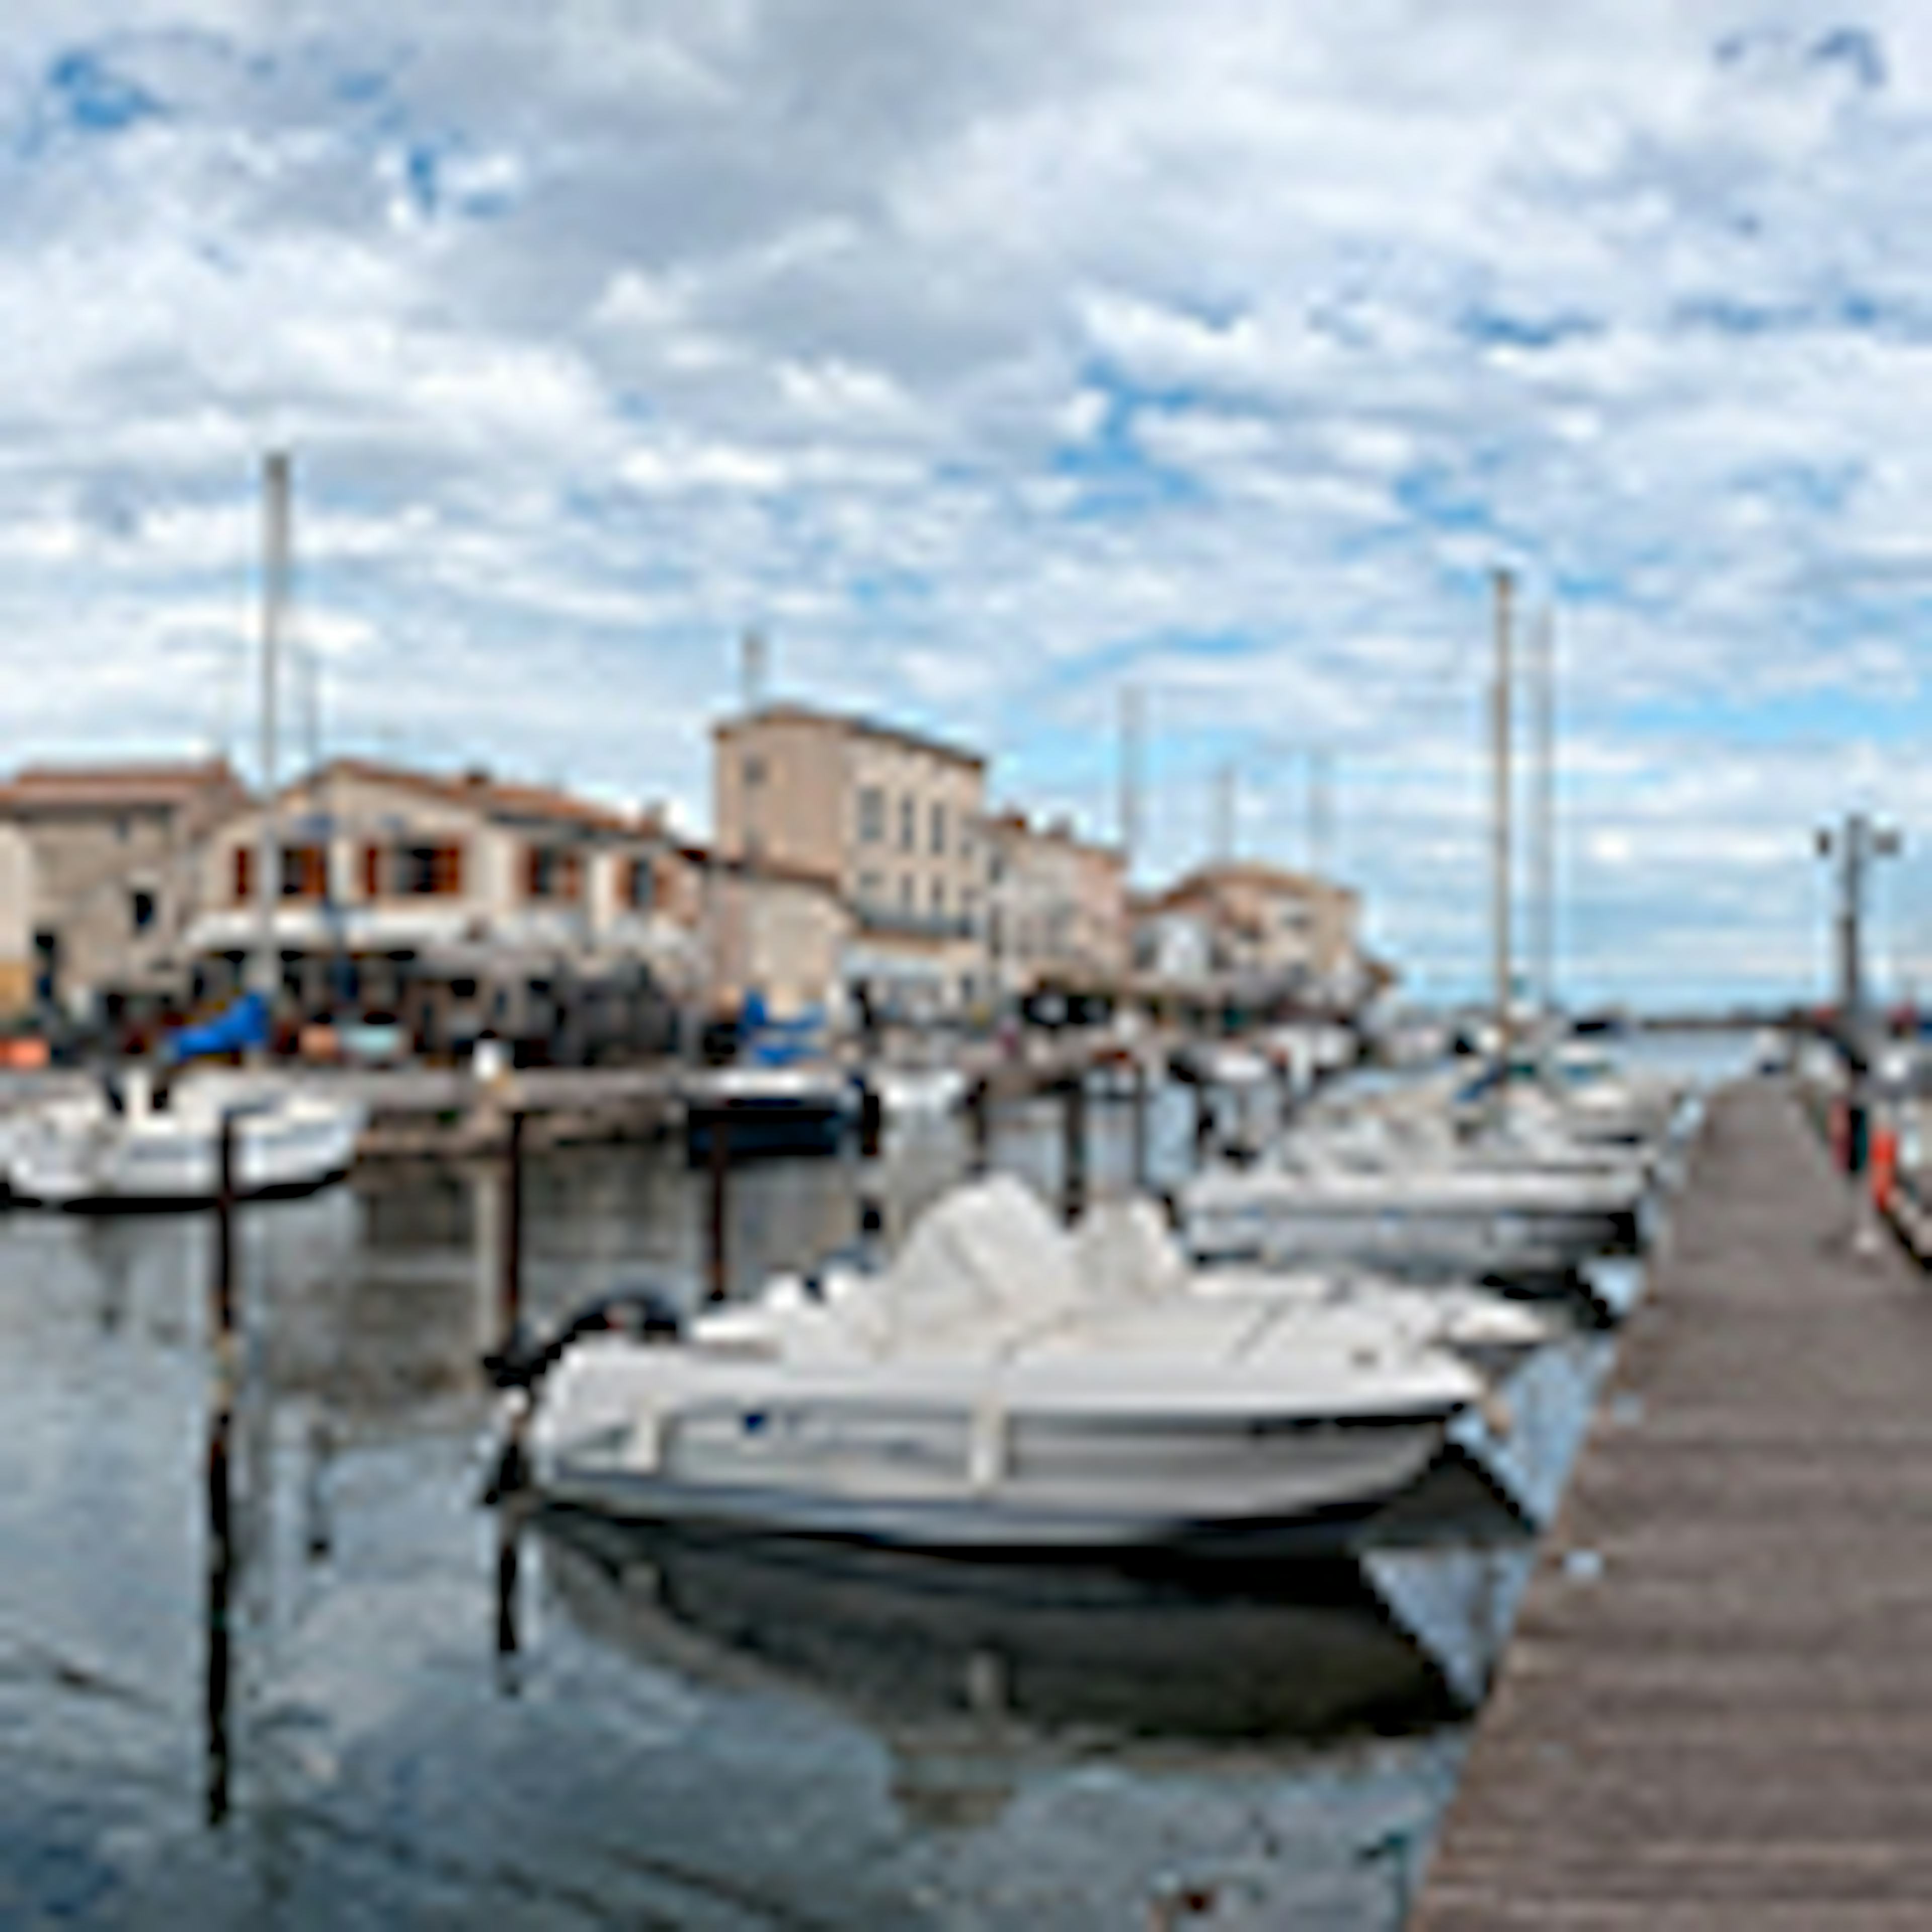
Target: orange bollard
{"x":1884,"y":1165}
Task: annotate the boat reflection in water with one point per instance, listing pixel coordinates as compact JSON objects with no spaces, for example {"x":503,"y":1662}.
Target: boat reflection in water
{"x":938,"y":1655}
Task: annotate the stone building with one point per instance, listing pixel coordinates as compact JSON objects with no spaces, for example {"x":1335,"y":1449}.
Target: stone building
{"x":1244,"y":926}
{"x":1058,"y":908}
{"x":454,"y":902}
{"x":102,"y":874}
{"x":889,"y":819}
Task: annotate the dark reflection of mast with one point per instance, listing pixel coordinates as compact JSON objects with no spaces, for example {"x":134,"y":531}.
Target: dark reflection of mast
{"x":220,"y":1548}
{"x":510,"y":1518}
{"x":220,"y":1565}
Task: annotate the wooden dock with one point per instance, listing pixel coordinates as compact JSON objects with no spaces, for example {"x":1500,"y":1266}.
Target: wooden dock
{"x":1717,"y":1709}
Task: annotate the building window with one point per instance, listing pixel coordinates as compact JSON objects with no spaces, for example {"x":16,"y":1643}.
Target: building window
{"x":868,"y":888}
{"x":304,"y":872}
{"x":372,"y":872}
{"x":554,"y":873}
{"x":996,"y":869}
{"x":122,"y":827}
{"x":939,"y":895}
{"x":938,"y":828}
{"x":245,"y":874}
{"x":428,"y":871}
{"x":905,"y":893}
{"x":141,"y":908}
{"x":908,"y":825}
{"x":754,"y":772}
{"x":641,"y":886}
{"x":872,"y":815}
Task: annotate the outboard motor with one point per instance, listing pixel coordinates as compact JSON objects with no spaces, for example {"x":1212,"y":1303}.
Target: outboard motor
{"x":645,"y":1311}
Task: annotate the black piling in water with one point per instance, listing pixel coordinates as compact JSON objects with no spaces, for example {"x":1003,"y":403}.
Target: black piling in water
{"x":1203,"y":1119}
{"x":1072,"y":1148}
{"x":717,"y":1197}
{"x":871,"y":1139}
{"x":1140,"y":1124}
{"x":510,"y":1280}
{"x":224,"y":1229}
{"x":979,"y":1110}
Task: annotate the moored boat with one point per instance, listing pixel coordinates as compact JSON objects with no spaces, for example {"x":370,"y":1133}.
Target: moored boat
{"x":978,"y":1395}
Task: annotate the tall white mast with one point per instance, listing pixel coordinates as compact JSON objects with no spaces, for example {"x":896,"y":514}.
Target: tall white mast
{"x":267,"y":975}
{"x":1499,"y":730}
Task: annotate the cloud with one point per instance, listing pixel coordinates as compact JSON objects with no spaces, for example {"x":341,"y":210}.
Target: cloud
{"x":990,"y":357}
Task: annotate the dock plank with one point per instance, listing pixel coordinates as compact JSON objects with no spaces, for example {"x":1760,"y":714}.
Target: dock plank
{"x":1716,"y":1708}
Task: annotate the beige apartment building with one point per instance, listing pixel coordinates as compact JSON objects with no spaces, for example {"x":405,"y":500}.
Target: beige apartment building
{"x":889,"y":819}
{"x":100,"y":874}
{"x":1058,"y":908}
{"x":454,"y":901}
{"x":1244,"y":924}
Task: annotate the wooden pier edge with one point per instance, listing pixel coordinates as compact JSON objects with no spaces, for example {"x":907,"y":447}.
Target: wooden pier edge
{"x":1716,"y":1708}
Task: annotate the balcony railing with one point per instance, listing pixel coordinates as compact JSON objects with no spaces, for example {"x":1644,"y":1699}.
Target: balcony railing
{"x":876,"y":918}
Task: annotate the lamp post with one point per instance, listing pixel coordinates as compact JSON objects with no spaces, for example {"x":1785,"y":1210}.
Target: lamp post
{"x":1854,"y":845}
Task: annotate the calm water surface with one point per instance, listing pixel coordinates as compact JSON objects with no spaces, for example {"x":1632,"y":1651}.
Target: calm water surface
{"x":431,"y":1715}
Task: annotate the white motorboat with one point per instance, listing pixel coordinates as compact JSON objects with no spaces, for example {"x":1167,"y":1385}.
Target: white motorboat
{"x":1128,"y":1264}
{"x":918,"y":1093}
{"x":987,"y":1393}
{"x":1436,"y":1218}
{"x":801,"y":1109}
{"x":93,"y":1150}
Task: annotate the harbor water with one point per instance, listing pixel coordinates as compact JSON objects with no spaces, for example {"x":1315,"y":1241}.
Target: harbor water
{"x":396,"y":1706}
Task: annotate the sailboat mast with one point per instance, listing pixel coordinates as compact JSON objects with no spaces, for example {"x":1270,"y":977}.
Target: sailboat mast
{"x":274,"y":613}
{"x":1546,"y":811}
{"x":1499,"y":727}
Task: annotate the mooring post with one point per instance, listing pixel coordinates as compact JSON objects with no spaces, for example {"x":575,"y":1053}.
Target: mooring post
{"x":1140,"y":1124}
{"x":717,"y":1194}
{"x":510,"y":1277}
{"x":979,"y":1107}
{"x":1072,"y":1148}
{"x":872,"y":1136}
{"x":224,"y":1230}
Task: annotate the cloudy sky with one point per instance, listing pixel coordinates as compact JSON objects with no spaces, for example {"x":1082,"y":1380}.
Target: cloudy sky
{"x":989,"y":358}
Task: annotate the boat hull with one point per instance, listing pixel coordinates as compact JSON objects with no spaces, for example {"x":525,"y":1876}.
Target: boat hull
{"x":1232,"y":1488}
{"x":168,"y":1165}
{"x":1425,"y":1242}
{"x":757,"y":1128}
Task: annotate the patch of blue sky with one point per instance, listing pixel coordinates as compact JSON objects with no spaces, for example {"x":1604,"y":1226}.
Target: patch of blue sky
{"x":1836,"y":714}
{"x":888,"y":592}
{"x":1856,"y":50}
{"x":1445,"y":498}
{"x":434,"y":176}
{"x":89,"y":94}
{"x":1498,"y":328}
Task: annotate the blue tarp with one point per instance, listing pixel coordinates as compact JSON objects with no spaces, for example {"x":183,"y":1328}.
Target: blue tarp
{"x":765,"y":1041}
{"x":243,"y":1025}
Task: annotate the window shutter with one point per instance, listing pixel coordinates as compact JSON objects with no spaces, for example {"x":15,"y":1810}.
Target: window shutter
{"x":372,"y":871}
{"x":245,"y":874}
